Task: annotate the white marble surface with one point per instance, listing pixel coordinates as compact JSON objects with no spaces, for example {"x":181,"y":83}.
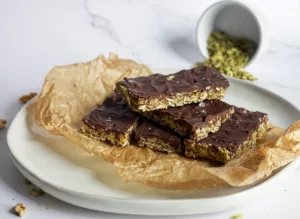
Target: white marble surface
{"x":36,"y":35}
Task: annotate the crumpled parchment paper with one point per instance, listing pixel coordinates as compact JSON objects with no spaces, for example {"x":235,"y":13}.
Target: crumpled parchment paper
{"x":71,"y":91}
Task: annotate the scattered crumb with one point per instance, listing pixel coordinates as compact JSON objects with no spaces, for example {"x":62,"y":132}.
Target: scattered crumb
{"x":237,"y":216}
{"x":2,"y":123}
{"x":27,"y":182}
{"x":20,"y":209}
{"x":27,"y":97}
{"x":36,"y":192}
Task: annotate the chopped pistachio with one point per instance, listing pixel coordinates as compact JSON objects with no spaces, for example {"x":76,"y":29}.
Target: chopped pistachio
{"x":27,"y":182}
{"x":229,"y":55}
{"x":36,"y":192}
{"x":237,"y":216}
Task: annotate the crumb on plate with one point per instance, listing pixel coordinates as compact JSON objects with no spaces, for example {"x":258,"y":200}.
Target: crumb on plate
{"x":25,"y":98}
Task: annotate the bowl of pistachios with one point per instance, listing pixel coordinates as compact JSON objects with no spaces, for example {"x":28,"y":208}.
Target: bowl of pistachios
{"x":231,"y":35}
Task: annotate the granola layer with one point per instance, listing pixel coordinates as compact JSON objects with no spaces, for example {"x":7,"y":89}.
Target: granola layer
{"x":113,"y":122}
{"x":235,"y":137}
{"x":114,"y":138}
{"x":159,"y":91}
{"x":158,"y":138}
{"x":195,"y":120}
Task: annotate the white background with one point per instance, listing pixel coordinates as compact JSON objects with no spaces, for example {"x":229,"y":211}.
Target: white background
{"x":36,"y":35}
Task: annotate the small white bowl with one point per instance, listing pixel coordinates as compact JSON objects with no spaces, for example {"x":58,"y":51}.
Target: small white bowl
{"x":236,"y":18}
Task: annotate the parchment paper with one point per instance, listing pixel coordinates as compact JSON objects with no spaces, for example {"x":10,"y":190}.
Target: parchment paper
{"x":71,"y":91}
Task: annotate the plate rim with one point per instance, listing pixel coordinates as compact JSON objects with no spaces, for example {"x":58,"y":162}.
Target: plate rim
{"x":39,"y":182}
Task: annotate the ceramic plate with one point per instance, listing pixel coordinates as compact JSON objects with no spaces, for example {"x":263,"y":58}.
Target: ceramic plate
{"x":70,"y":174}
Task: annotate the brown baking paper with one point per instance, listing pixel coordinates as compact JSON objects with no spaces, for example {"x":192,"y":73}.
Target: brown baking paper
{"x":71,"y":91}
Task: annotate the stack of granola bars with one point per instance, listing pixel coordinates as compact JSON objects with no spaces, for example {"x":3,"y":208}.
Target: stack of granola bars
{"x":177,"y":113}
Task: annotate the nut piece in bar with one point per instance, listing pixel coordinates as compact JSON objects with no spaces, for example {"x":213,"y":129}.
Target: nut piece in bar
{"x":235,"y":137}
{"x":158,"y":138}
{"x":159,"y":91}
{"x":112,"y":122}
{"x":195,"y":120}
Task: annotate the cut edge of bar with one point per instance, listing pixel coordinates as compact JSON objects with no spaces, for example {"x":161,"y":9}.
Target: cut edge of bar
{"x":178,"y":99}
{"x":114,"y":138}
{"x":158,"y":145}
{"x":221,"y":153}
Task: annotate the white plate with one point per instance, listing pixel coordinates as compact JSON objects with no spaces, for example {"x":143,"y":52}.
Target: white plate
{"x":70,"y":174}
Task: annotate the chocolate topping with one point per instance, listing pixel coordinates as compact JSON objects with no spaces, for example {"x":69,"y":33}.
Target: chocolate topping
{"x":236,"y":129}
{"x":180,"y":82}
{"x":196,"y":115}
{"x":150,"y":130}
{"x":111,"y":116}
{"x":118,"y":96}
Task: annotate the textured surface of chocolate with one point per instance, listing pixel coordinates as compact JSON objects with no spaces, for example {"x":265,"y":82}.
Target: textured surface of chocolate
{"x":195,"y":115}
{"x":180,"y":82}
{"x":111,"y":116}
{"x":236,"y":129}
{"x":150,"y":130}
{"x":118,"y":96}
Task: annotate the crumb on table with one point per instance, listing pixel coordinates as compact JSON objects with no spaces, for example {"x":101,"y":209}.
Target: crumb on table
{"x":36,"y":192}
{"x":237,"y":216}
{"x":2,"y":123}
{"x":20,"y":209}
{"x":25,"y":98}
{"x":27,"y":182}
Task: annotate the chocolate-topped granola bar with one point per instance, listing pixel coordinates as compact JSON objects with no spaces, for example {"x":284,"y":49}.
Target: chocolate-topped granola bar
{"x":195,"y":120}
{"x":159,"y":91}
{"x":112,"y":121}
{"x":158,"y":138}
{"x":236,"y":136}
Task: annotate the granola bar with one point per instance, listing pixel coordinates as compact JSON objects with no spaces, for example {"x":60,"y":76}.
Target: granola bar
{"x":159,"y":91}
{"x":235,"y":137}
{"x":113,"y":122}
{"x":158,"y":138}
{"x":195,"y":120}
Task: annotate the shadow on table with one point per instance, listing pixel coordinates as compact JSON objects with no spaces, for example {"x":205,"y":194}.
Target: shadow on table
{"x":185,"y":48}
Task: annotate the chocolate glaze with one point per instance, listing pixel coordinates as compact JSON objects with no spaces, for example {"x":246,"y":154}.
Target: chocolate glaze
{"x":118,"y":96}
{"x":150,"y":130}
{"x":111,"y":116}
{"x":180,"y":82}
{"x":236,"y":129}
{"x":195,"y":115}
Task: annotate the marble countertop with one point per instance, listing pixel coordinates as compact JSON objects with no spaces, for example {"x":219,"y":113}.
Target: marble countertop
{"x":36,"y":35}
